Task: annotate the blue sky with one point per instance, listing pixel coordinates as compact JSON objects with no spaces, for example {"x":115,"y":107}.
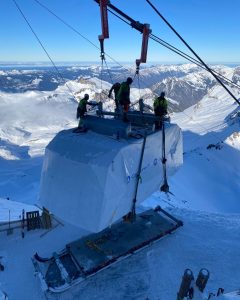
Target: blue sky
{"x":211,"y":27}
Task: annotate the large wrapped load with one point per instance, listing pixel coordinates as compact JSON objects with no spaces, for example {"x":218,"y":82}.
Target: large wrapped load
{"x":89,"y":179}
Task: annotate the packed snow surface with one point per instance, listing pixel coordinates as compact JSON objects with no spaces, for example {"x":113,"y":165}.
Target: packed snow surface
{"x":12,"y":210}
{"x":206,"y":240}
{"x":206,"y":197}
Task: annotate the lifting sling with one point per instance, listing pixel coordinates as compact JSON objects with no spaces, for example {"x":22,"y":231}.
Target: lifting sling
{"x":138,"y":178}
{"x":165,"y":187}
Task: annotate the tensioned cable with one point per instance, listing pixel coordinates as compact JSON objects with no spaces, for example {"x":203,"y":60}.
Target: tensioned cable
{"x":152,"y":37}
{"x":101,"y":76}
{"x":48,"y":55}
{"x":139,"y":90}
{"x":190,"y":58}
{"x":163,"y":43}
{"x":77,"y":32}
{"x":177,"y":51}
{"x":44,"y":49}
{"x":67,"y":24}
{"x":108,"y":70}
{"x":186,"y":56}
{"x":86,"y":38}
{"x":195,"y":54}
{"x":53,"y":61}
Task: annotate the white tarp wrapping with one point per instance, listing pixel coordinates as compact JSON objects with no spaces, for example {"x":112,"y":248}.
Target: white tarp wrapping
{"x":89,"y":179}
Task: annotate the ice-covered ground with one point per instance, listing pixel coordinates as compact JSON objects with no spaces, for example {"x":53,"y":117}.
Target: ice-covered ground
{"x":206,"y":197}
{"x":207,"y":240}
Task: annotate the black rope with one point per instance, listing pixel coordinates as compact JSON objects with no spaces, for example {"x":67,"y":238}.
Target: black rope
{"x":78,"y":33}
{"x":67,"y":24}
{"x":190,"y":58}
{"x":179,"y":52}
{"x":198,"y":57}
{"x":108,"y":70}
{"x":153,"y":37}
{"x":118,"y":17}
{"x":44,"y":49}
{"x":165,"y":186}
{"x":58,"y":72}
{"x":138,"y":176}
{"x":101,"y":75}
{"x":187,"y":57}
{"x":138,"y":77}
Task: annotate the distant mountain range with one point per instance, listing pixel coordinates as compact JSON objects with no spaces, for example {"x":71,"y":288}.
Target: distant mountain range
{"x":185,"y":85}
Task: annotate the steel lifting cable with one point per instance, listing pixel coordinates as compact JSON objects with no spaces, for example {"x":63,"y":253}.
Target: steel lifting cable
{"x":186,"y":56}
{"x":44,"y":49}
{"x":138,"y":176}
{"x":78,"y":33}
{"x":138,"y":78}
{"x":108,"y":70}
{"x":127,"y":24}
{"x":41,"y":44}
{"x":153,"y":37}
{"x":101,"y":75}
{"x":139,"y":89}
{"x":177,"y":51}
{"x":138,"y":82}
{"x":81,"y":35}
{"x":190,"y":58}
{"x":165,"y":187}
{"x":195,"y":54}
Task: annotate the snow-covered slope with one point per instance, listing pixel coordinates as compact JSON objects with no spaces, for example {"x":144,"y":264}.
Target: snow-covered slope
{"x":185,"y":84}
{"x":211,"y":152}
{"x":206,"y":197}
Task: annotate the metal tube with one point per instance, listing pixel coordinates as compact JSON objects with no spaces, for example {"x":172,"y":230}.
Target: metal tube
{"x":202,"y":279}
{"x":187,"y":280}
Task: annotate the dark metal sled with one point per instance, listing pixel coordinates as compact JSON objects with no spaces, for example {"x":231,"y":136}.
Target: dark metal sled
{"x":95,"y":252}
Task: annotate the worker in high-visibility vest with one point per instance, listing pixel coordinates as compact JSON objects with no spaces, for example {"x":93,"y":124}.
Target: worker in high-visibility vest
{"x":115,"y":88}
{"x":160,"y":106}
{"x":123,"y":96}
{"x":82,"y":109}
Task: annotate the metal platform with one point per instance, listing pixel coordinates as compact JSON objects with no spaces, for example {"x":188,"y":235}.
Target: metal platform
{"x":95,"y":252}
{"x":112,"y":124}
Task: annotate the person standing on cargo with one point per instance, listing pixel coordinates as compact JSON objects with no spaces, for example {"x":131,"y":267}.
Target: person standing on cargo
{"x":123,"y":96}
{"x":115,"y":88}
{"x":82,"y":109}
{"x":160,"y":106}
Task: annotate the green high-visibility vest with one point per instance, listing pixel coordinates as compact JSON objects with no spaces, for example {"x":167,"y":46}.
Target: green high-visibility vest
{"x":160,"y":105}
{"x":123,"y":95}
{"x":83,"y":105}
